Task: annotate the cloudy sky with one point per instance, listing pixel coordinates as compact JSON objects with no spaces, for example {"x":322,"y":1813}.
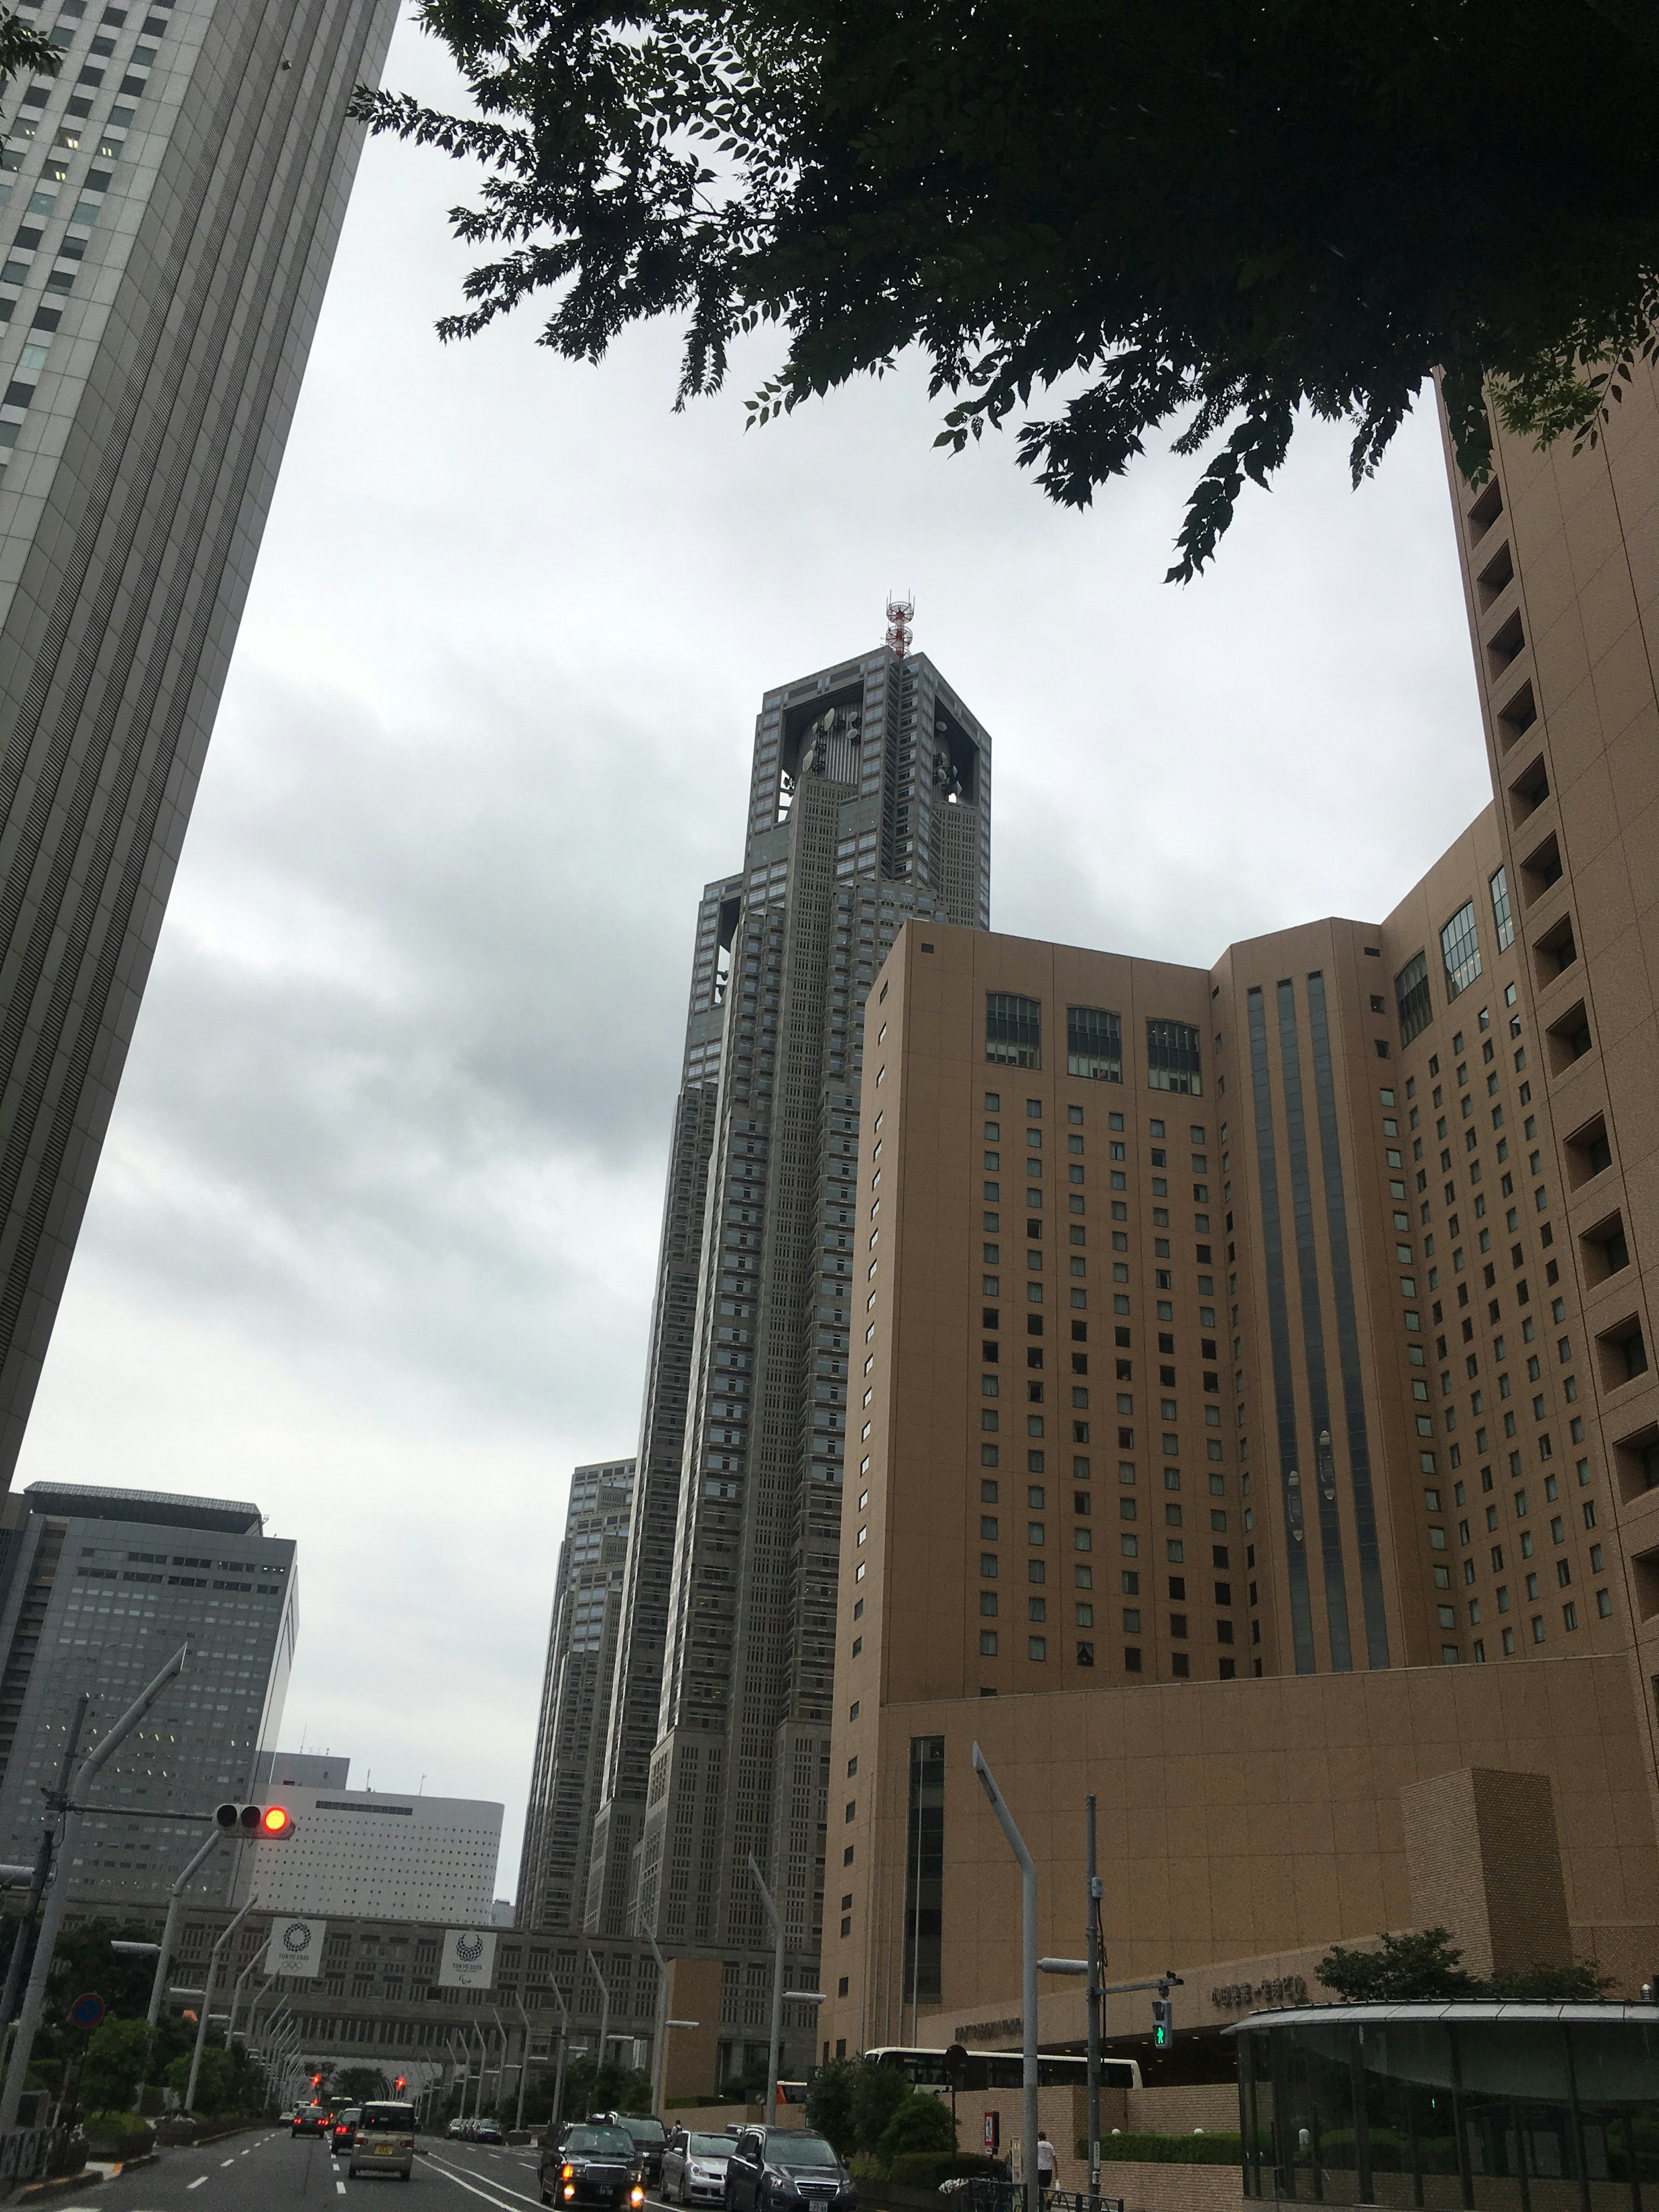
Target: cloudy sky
{"x":373,"y":1237}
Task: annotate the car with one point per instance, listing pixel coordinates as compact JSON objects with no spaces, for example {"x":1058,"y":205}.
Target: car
{"x":770,"y":2168}
{"x":311,"y":2120}
{"x":345,"y":2127}
{"x":384,"y":2142}
{"x":485,"y":2132}
{"x":694,"y":2167}
{"x":592,"y":2165}
{"x":650,"y":2140}
{"x":457,"y":2130}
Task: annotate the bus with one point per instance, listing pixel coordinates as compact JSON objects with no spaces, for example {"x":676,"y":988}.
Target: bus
{"x":1004,"y":2069}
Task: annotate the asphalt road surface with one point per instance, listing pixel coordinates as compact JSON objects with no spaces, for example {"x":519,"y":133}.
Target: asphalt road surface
{"x":269,"y":2170}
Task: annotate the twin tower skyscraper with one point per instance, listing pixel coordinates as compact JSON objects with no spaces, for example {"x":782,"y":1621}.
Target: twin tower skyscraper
{"x":706,"y":1739}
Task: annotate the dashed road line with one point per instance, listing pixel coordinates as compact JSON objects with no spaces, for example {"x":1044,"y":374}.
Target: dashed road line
{"x":199,"y":2179}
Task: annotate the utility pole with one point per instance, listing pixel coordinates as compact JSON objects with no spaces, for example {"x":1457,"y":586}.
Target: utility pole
{"x":777,"y":1995}
{"x":523,"y":2063}
{"x":605,"y":2020}
{"x":1028,"y":1980}
{"x":42,"y":1868}
{"x":1097,"y":1955}
{"x":51,"y":1916}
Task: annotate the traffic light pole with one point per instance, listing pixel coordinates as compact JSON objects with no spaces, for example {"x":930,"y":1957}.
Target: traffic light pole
{"x":211,"y":1976}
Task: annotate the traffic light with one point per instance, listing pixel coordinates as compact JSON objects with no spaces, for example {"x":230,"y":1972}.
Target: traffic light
{"x":401,"y":2083}
{"x":1163,"y":2022}
{"x":316,"y":2081}
{"x":268,"y":1823}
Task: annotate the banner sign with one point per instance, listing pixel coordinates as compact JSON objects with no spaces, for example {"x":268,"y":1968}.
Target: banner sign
{"x":469,"y":1960}
{"x":297,"y":1947}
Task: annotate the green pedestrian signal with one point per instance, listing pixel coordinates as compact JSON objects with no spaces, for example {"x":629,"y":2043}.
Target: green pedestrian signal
{"x":1162,"y":2023}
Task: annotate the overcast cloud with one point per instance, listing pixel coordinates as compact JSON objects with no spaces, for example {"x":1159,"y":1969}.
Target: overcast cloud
{"x":373,"y":1237}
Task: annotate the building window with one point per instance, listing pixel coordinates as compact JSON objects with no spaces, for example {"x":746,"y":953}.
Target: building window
{"x":1460,"y":951}
{"x":1500,"y":910}
{"x":1172,"y":1062}
{"x":1013,"y":1029}
{"x":1094,"y":1044}
{"x":1411,"y":995}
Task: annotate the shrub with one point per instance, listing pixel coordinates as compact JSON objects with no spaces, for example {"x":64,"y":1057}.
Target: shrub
{"x":1168,"y":2150}
{"x":126,"y":2129}
{"x":878,"y":2090}
{"x":918,"y":2123}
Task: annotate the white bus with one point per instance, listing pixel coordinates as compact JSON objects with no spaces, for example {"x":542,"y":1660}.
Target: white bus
{"x":1004,"y":2069}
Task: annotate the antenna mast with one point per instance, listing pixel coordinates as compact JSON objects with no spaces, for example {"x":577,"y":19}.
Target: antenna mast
{"x":899,"y":633}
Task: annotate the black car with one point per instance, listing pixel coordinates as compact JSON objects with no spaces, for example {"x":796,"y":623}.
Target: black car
{"x":650,"y":2140}
{"x":592,"y":2165}
{"x":773,"y":2168}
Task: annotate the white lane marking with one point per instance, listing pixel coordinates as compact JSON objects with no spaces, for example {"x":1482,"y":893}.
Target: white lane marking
{"x":199,"y":2179}
{"x":450,"y":2175}
{"x":224,"y":2162}
{"x":340,"y":2185}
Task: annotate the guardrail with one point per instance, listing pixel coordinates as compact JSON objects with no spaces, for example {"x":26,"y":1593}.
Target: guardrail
{"x":981,"y":2194}
{"x":30,"y":2153}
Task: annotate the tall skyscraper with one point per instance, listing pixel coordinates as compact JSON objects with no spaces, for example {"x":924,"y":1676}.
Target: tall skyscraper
{"x":870,"y":798}
{"x":1281,"y":1333}
{"x":97,"y":1589}
{"x":581,"y":1658}
{"x":177,"y":191}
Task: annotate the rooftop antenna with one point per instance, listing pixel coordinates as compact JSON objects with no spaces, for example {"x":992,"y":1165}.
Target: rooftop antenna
{"x":899,"y":633}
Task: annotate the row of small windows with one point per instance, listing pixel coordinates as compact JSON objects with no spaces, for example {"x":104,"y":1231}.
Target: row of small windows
{"x":1459,"y":960}
{"x":1094,"y":1043}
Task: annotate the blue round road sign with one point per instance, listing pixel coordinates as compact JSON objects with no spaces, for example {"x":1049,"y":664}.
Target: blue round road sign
{"x":87,"y":2011}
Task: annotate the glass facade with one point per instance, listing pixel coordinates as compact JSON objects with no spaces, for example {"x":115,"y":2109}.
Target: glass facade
{"x":1013,"y":1029}
{"x":924,"y":1872}
{"x":1411,"y":993}
{"x":1500,"y":910}
{"x":1172,"y":1062}
{"x":1460,"y":951}
{"x":1541,"y":2108}
{"x":1094,"y":1044}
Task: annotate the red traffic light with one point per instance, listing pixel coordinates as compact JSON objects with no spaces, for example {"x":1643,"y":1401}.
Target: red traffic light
{"x":275,"y":1820}
{"x":316,"y":2081}
{"x":266,"y":1820}
{"x":402,"y":2081}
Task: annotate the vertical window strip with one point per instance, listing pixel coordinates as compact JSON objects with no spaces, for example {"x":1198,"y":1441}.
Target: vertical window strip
{"x":1460,"y":951}
{"x":1410,"y":996}
{"x":1279,"y":1334}
{"x":1313,"y":1331}
{"x":1347,"y":1334}
{"x":1500,"y":909}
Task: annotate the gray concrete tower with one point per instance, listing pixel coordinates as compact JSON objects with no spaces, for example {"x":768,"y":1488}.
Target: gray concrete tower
{"x":174,"y":198}
{"x":869,"y":804}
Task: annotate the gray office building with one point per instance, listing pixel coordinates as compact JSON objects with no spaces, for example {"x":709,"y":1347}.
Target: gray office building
{"x":570,"y":1735}
{"x":869,"y":804}
{"x":170,"y":203}
{"x":97,"y":1589}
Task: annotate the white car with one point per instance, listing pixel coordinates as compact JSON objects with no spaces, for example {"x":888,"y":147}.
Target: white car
{"x":694,"y":2167}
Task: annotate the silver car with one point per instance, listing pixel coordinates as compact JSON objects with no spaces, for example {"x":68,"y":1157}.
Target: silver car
{"x":694,"y":2167}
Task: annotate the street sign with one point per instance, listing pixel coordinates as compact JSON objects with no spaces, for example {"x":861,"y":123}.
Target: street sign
{"x":87,"y":2011}
{"x":993,"y":2130}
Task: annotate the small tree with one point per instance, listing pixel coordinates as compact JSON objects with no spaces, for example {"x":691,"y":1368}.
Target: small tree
{"x":117,"y":2061}
{"x":360,"y":2084}
{"x":921,"y":2123}
{"x":829,"y":2103}
{"x":215,"y":2083}
{"x":1403,"y":1969}
{"x":878,"y":2091}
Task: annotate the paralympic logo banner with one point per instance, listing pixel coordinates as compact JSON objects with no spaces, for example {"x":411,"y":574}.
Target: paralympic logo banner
{"x":469,"y":1960}
{"x":297,"y":1947}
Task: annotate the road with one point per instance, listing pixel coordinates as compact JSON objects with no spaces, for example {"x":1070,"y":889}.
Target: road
{"x":269,"y":2170}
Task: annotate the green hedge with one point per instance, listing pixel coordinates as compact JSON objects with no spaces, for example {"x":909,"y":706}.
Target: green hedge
{"x":1169,"y":2150}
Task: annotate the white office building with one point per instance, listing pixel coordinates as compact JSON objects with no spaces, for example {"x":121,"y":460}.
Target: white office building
{"x":375,"y":1854}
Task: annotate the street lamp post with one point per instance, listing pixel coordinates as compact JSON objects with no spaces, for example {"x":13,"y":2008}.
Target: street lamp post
{"x":175,"y":1906}
{"x":777,"y":1993}
{"x":209,"y":1979}
{"x":660,"y":2048}
{"x":51,"y":1916}
{"x":523,"y":2063}
{"x":564,"y":2054}
{"x":42,"y":1868}
{"x":1027,"y":1978}
{"x":605,"y":2020}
